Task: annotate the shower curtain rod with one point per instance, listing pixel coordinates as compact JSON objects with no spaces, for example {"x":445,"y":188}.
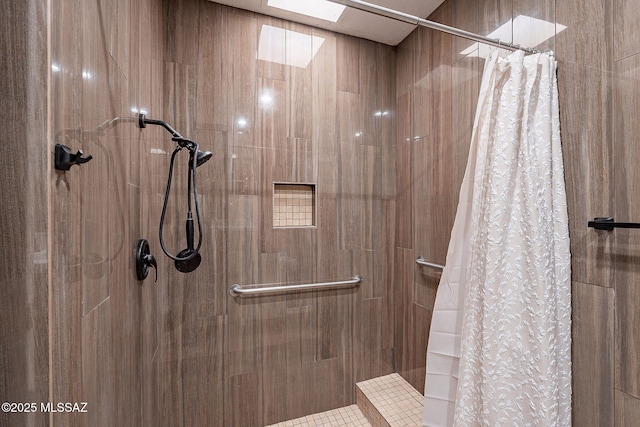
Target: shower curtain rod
{"x":404,"y":17}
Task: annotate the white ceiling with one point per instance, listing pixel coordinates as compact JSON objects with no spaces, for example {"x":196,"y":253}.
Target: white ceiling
{"x":353,"y":22}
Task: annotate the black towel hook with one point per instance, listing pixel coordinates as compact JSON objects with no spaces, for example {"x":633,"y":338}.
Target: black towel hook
{"x":65,"y":158}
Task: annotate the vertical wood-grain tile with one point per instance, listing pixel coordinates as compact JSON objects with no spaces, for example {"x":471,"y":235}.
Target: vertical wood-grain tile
{"x":324,"y":107}
{"x":244,"y":174}
{"x":465,"y":86}
{"x":25,"y":366}
{"x":66,"y":232}
{"x":627,"y":409}
{"x":424,"y":226}
{"x":271,"y":116}
{"x":372,"y":201}
{"x":243,"y":314}
{"x":347,"y":64}
{"x":301,"y":161}
{"x":328,"y":322}
{"x":386,"y":58}
{"x":300,"y":396}
{"x":404,"y":203}
{"x":386,"y":257}
{"x":97,"y":107}
{"x":242,"y":86}
{"x":213,"y":96}
{"x":333,"y":394}
{"x":402,"y":302}
{"x":179,"y":104}
{"x":593,"y":354}
{"x":589,"y":169}
{"x":245,"y":406}
{"x":626,"y":37}
{"x":627,"y":294}
{"x":627,"y":200}
{"x":119,"y":27}
{"x":181,"y":31}
{"x":417,"y":370}
{"x":422,"y":89}
{"x":327,"y":326}
{"x":300,"y":264}
{"x":301,"y":335}
{"x":98,"y":366}
{"x":204,"y":371}
{"x":386,"y":78}
{"x":273,"y":329}
{"x":464,"y":15}
{"x":212,"y":187}
{"x":300,"y":45}
{"x":370,"y":97}
{"x":493,"y":14}
{"x":588,"y":39}
{"x":349,"y":205}
{"x":368,"y":355}
{"x":439,"y":88}
{"x":405,"y":68}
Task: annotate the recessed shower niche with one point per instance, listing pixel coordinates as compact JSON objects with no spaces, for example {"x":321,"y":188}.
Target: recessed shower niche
{"x":294,"y":205}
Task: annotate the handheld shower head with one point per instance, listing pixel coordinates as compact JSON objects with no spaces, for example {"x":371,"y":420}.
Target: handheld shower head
{"x":187,"y":260}
{"x":201,"y":158}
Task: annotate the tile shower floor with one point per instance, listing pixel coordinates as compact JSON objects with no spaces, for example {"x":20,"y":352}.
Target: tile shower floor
{"x":347,"y":416}
{"x":393,"y":398}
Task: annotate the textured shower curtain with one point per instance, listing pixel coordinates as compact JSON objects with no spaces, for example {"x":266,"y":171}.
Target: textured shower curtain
{"x":499,"y":351}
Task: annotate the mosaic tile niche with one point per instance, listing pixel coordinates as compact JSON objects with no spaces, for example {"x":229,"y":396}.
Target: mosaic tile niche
{"x":293,"y":205}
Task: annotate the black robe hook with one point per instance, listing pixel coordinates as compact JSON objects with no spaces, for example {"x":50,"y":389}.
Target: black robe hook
{"x":64,"y":158}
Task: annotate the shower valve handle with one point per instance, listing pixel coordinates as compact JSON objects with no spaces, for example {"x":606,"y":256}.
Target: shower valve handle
{"x":144,"y":260}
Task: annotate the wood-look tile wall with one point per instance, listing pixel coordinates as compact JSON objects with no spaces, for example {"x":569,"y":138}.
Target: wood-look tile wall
{"x":24,"y":226}
{"x":106,"y":59}
{"x":182,"y":351}
{"x":329,"y":123}
{"x":599,"y":84}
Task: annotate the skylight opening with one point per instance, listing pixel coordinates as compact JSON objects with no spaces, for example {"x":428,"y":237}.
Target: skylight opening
{"x":528,"y":31}
{"x":287,"y":47}
{"x":321,"y":9}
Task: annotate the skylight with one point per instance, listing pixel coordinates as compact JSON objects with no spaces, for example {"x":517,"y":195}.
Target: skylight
{"x":287,"y":47}
{"x":528,"y":31}
{"x":321,"y":9}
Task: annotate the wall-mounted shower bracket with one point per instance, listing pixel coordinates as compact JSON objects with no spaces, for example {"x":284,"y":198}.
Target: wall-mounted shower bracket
{"x":175,"y":135}
{"x":65,"y":158}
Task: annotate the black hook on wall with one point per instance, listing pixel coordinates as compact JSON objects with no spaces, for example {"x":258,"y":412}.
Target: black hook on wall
{"x":65,"y":158}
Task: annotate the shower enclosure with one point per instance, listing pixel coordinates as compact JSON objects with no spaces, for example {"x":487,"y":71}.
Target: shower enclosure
{"x":373,"y":138}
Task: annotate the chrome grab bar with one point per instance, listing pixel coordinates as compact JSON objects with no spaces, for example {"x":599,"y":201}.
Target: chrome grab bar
{"x":421,"y":261}
{"x":239,"y":291}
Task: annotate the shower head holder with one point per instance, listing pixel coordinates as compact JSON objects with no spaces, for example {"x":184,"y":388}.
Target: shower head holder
{"x":175,"y":135}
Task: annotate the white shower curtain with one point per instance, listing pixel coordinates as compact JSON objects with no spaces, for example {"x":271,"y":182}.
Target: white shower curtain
{"x":499,"y":349}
